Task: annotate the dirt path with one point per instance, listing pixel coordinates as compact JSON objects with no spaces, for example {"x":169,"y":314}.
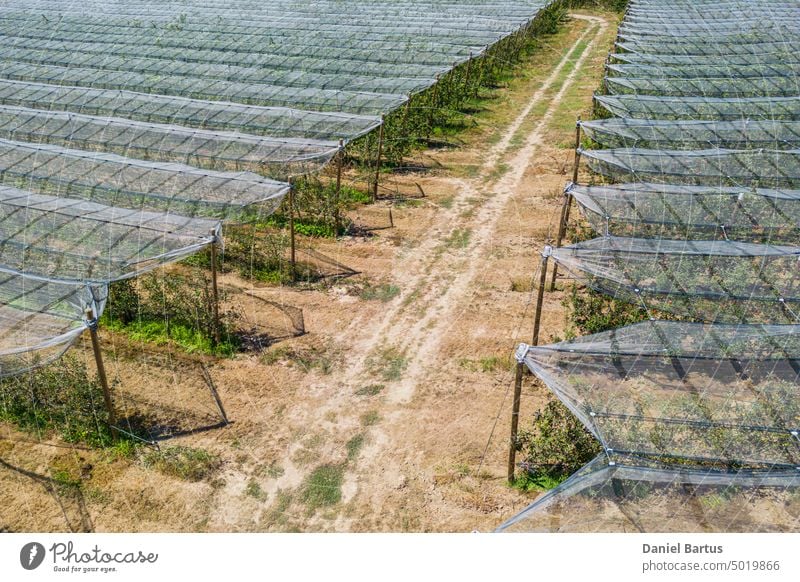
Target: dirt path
{"x":442,"y":279}
{"x":391,"y":413}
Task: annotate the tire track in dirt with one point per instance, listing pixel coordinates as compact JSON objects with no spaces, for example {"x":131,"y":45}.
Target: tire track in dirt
{"x":414,"y":269}
{"x":418,"y":329}
{"x":436,"y":281}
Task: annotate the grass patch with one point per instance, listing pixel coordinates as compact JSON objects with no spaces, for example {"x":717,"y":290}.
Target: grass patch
{"x":522,"y":285}
{"x":485,"y":364}
{"x":255,"y":491}
{"x":190,"y":339}
{"x":459,"y":238}
{"x":354,"y":446}
{"x":371,"y":390}
{"x":322,"y":487}
{"x":370,"y":418}
{"x":306,"y":359}
{"x":182,"y":462}
{"x":383,"y":292}
{"x":531,"y":483}
{"x":389,"y":364}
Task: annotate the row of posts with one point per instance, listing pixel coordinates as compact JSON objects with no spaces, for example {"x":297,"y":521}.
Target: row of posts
{"x":91,"y":315}
{"x":537,"y":318}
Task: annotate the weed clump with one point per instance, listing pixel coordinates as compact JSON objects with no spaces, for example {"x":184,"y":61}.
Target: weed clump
{"x":61,"y":397}
{"x":182,"y":462}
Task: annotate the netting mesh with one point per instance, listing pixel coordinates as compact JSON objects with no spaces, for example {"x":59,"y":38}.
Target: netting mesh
{"x":693,"y":135}
{"x":612,"y":498}
{"x":674,"y":211}
{"x":700,"y":107}
{"x":695,"y":206}
{"x":74,"y":240}
{"x":40,"y":319}
{"x":128,"y":131}
{"x":724,"y":167}
{"x":726,"y":281}
{"x":724,"y":395}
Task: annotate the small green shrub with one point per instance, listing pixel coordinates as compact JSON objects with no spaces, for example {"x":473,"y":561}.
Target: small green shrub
{"x":323,"y":358}
{"x":255,"y":491}
{"x":371,"y":390}
{"x":591,"y":312}
{"x":383,"y":292}
{"x":388,"y":363}
{"x":183,"y":462}
{"x":370,"y":418}
{"x":555,"y":445}
{"x":60,"y":397}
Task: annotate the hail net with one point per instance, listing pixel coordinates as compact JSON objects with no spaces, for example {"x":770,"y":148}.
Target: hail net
{"x":130,"y":131}
{"x":693,"y":206}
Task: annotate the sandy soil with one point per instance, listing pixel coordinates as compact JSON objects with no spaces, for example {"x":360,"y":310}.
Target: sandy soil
{"x":405,"y":400}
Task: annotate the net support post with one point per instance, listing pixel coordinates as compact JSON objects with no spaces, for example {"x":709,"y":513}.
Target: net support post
{"x":215,"y":286}
{"x":567,"y":202}
{"x":292,"y":243}
{"x":432,"y":105}
{"x":378,"y":160}
{"x":91,"y":323}
{"x":337,"y":219}
{"x":519,"y":355}
{"x":537,"y":319}
{"x":467,"y":75}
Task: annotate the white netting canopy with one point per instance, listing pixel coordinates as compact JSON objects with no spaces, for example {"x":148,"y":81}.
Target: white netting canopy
{"x":130,"y":130}
{"x":694,"y":203}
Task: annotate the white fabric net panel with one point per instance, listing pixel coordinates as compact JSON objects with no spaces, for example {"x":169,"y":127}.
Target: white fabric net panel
{"x":694,"y":203}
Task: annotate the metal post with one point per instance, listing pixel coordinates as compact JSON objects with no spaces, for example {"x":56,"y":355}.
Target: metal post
{"x":378,"y":161}
{"x":565,"y":208}
{"x":91,"y":321}
{"x":214,"y":287}
{"x":339,"y":162}
{"x":522,"y":351}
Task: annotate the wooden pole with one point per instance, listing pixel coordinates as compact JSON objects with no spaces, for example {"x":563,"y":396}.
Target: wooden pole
{"x":432,"y":107}
{"x":378,"y":161}
{"x":537,"y":318}
{"x":565,"y":208}
{"x":293,"y":254}
{"x":337,"y":194}
{"x":512,"y":449}
{"x":214,"y":287}
{"x":520,"y":356}
{"x":91,"y":320}
{"x":467,"y":74}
